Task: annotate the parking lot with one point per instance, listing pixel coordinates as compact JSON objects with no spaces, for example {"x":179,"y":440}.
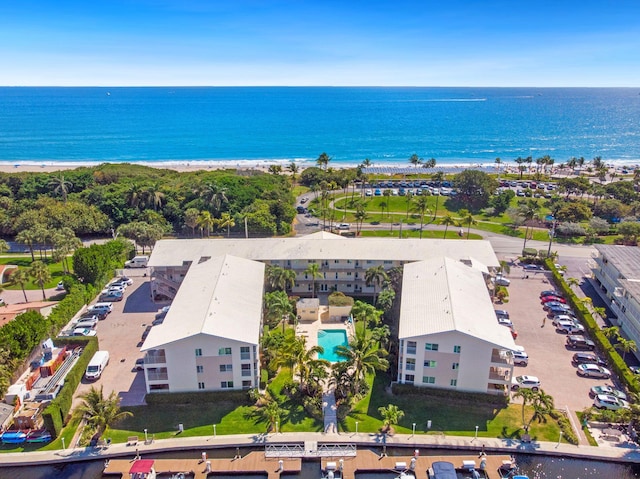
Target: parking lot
{"x":549,"y":359}
{"x":121,"y":334}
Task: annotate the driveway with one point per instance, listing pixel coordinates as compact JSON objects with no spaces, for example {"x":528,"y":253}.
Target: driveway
{"x":120,"y":334}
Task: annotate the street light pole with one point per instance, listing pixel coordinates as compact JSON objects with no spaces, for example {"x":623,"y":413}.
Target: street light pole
{"x":559,"y":440}
{"x":413,"y":429}
{"x":552,"y":233}
{"x":214,"y":431}
{"x":476,"y":436}
{"x":146,"y":437}
{"x":63,"y":444}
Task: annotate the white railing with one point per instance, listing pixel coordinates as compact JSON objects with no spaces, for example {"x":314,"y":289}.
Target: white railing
{"x":299,"y":450}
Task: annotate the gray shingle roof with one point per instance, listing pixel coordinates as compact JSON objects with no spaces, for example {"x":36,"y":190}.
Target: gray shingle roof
{"x":626,"y":259}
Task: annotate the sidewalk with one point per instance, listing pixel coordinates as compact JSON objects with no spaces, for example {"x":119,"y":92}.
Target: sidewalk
{"x":622,"y":453}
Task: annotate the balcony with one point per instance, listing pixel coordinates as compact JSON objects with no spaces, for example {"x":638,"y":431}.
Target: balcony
{"x":157,"y":376}
{"x":500,"y":376}
{"x":155,"y":357}
{"x":501,"y":357}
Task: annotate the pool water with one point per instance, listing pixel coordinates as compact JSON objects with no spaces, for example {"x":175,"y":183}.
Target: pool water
{"x":329,"y":339}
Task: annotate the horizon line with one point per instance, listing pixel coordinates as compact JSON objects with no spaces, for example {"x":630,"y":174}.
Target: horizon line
{"x":318,"y":86}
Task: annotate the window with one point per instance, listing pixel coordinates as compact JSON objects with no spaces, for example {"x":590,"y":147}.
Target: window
{"x":455,"y":365}
{"x":428,"y":379}
{"x":387,"y":261}
{"x":246,"y":385}
{"x":200,"y":385}
{"x":430,"y":364}
{"x":411,"y":347}
{"x":245,"y":352}
{"x":411,"y":364}
{"x":199,"y":369}
{"x":246,"y":369}
{"x":409,"y":378}
{"x":431,"y":347}
{"x":198,"y":352}
{"x":224,"y":352}
{"x":226,"y":368}
{"x":226,"y":384}
{"x":457,"y":349}
{"x":454,"y":382}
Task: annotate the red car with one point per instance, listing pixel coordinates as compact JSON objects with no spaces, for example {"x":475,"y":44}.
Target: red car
{"x":548,"y":299}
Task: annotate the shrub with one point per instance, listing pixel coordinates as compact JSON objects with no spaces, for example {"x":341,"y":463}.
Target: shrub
{"x":422,"y":393}
{"x":338,"y":298}
{"x":565,"y":427}
{"x":241,"y":398}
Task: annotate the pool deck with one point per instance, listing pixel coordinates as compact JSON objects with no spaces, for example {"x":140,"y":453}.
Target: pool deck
{"x":309,"y":329}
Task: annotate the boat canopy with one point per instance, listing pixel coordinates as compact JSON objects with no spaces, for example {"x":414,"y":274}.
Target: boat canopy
{"x":443,"y":470}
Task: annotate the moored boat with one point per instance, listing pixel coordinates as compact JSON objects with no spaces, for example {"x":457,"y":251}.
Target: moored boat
{"x":13,"y":437}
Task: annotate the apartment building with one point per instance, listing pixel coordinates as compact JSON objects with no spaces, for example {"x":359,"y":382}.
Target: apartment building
{"x":209,"y":338}
{"x":617,"y":273}
{"x":342,"y":261}
{"x":449,"y":336}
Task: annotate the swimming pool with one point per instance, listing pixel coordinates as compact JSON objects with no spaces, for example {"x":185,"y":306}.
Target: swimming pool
{"x":329,"y":339}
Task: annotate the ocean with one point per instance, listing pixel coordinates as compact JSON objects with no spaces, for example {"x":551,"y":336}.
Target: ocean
{"x":259,"y":126}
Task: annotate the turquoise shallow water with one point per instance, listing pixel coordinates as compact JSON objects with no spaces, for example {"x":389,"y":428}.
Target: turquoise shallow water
{"x":330,"y":339}
{"x":387,"y":125}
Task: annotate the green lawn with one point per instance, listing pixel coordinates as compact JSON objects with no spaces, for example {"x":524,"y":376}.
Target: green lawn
{"x":25,"y":262}
{"x":451,"y":417}
{"x":432,"y":234}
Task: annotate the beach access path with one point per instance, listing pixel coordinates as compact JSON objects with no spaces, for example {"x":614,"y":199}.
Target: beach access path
{"x":623,"y":452}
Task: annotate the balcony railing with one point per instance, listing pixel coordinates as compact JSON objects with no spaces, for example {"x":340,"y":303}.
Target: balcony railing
{"x":155,"y":358}
{"x":151,"y":376}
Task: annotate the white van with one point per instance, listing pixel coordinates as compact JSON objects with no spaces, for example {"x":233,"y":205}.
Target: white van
{"x":137,"y":262}
{"x":97,"y":364}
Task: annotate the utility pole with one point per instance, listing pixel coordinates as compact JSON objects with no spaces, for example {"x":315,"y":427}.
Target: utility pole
{"x":552,"y":233}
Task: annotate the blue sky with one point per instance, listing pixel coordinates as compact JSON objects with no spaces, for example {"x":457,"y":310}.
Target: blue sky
{"x":348,"y":42}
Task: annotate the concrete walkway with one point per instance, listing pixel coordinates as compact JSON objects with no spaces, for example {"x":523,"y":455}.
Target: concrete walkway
{"x":622,"y":453}
{"x":329,"y":409}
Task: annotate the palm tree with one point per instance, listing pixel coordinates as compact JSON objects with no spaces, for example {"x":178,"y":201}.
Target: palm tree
{"x":504,"y":267}
{"x":387,"y":194}
{"x":467,"y":218}
{"x":191,"y":219}
{"x":415,"y":160}
{"x":573,"y":282}
{"x":213,"y":196}
{"x":612,"y":333}
{"x":153,"y":197}
{"x":278,"y":306}
{"x":4,"y":246}
{"x":366,"y":313}
{"x":60,"y":186}
{"x":323,"y":161}
{"x":541,"y":402}
{"x":270,"y":412}
{"x":363,"y":357}
{"x":430,"y":163}
{"x":360,"y":215}
{"x":20,"y":277}
{"x":626,"y":346}
{"x":99,"y":411}
{"x":528,"y":211}
{"x":383,"y":206}
{"x":391,"y":415}
{"x":134,"y":195}
{"x":293,"y":169}
{"x":65,"y":243}
{"x":40,"y":274}
{"x":447,"y":221}
{"x":314,"y":271}
{"x":310,"y":369}
{"x":206,"y":222}
{"x":375,"y":276}
{"x":27,"y":237}
{"x":275,"y":169}
{"x":421,"y":206}
{"x":226,"y":221}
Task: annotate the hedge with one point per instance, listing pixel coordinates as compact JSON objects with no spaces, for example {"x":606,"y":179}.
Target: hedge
{"x":55,"y":414}
{"x":68,"y":307}
{"x":450,"y":395}
{"x":620,"y":368}
{"x":238,"y":397}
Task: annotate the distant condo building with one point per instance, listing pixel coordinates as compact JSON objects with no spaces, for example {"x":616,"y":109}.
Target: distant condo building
{"x":617,"y":273}
{"x":210,"y":337}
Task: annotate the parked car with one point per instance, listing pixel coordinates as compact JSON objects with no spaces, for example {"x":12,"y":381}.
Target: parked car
{"x":563,"y":317}
{"x":529,"y":382}
{"x":501,"y":313}
{"x":84,"y":332}
{"x":569,"y":327}
{"x":501,"y":281}
{"x":532,"y":267}
{"x":593,"y":371}
{"x":580,"y":342}
{"x":605,"y":389}
{"x":554,"y":304}
{"x":114,"y":296}
{"x":556,"y":310}
{"x":60,"y":286}
{"x":139,"y":365}
{"x":505,"y":322}
{"x":118,"y":284}
{"x":521,"y":358}
{"x":551,"y":293}
{"x":555,"y":299}
{"x":586,"y":358}
{"x":607,"y":401}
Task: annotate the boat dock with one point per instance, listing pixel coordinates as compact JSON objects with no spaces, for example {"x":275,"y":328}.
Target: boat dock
{"x":259,"y":462}
{"x":252,"y":463}
{"x":369,"y":461}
